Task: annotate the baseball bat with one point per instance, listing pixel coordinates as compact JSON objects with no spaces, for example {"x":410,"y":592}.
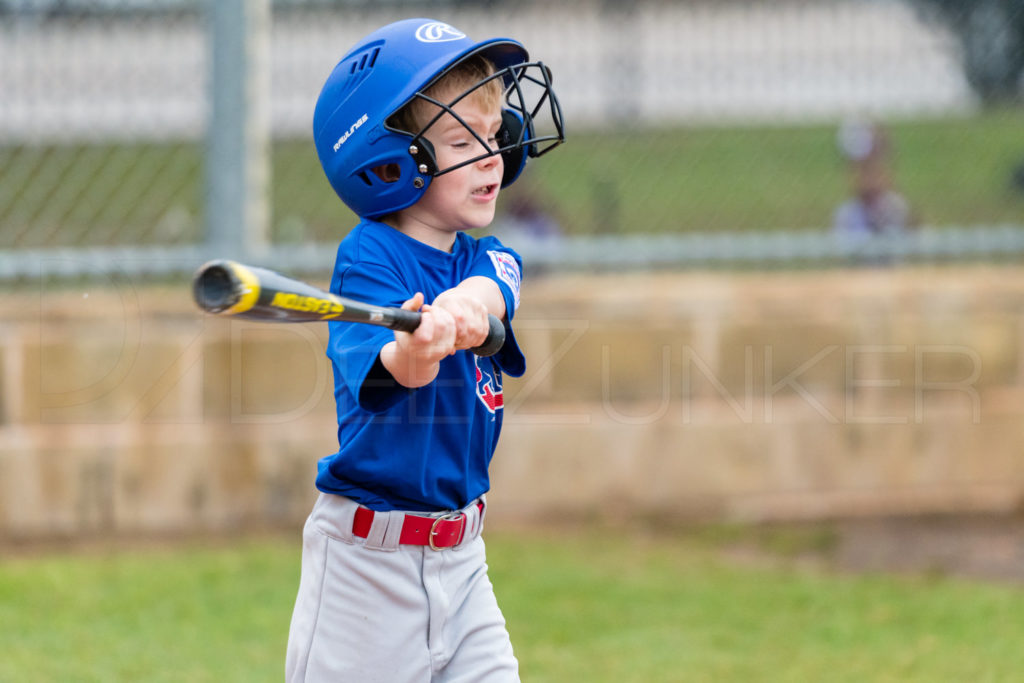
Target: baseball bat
{"x":229,"y":288}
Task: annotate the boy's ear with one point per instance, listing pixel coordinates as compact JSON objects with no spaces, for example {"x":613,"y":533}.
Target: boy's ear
{"x":389,"y":173}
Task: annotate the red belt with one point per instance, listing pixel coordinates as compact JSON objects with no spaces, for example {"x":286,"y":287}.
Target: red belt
{"x":441,"y":532}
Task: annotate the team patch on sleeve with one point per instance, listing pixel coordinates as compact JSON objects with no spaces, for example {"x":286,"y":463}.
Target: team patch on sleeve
{"x":508,"y":271}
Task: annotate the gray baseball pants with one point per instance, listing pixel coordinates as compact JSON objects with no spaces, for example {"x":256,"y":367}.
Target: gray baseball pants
{"x":373,"y":610}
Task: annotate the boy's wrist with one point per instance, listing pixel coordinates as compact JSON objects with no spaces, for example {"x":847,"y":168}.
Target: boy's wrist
{"x":407,"y":368}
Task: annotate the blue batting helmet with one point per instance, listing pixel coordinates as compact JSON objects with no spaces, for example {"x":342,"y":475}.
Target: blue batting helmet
{"x":388,"y":69}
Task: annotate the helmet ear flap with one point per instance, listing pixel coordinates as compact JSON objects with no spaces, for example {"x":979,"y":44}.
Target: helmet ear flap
{"x":510,"y":133}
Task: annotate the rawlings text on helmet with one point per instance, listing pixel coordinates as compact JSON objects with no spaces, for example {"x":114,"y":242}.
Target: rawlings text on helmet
{"x":351,"y":129}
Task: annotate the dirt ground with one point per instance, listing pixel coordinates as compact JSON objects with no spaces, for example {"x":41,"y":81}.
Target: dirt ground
{"x":985,"y":547}
{"x":981,"y":547}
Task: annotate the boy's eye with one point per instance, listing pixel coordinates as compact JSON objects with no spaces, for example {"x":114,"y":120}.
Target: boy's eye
{"x":492,"y":142}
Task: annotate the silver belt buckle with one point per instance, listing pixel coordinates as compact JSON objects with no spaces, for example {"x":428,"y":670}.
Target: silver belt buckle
{"x":448,"y":516}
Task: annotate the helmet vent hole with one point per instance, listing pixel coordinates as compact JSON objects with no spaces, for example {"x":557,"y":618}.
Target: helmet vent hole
{"x":364,"y":61}
{"x":359,"y":68}
{"x":365,"y":178}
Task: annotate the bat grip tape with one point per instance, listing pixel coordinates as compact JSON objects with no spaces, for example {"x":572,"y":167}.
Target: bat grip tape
{"x":403,"y":320}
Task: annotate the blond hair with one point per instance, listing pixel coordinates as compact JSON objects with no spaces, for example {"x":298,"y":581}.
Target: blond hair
{"x":463,"y":76}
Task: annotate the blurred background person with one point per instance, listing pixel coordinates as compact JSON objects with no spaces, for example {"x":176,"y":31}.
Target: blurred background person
{"x":875,"y":206}
{"x":528,"y":215}
{"x":529,"y":219}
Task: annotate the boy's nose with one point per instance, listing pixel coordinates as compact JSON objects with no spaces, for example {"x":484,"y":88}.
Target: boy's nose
{"x":489,"y":161}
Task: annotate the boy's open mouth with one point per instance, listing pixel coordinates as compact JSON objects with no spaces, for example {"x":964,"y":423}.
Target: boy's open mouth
{"x":485,"y":190}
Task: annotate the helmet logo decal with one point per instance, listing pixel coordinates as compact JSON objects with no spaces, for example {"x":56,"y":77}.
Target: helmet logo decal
{"x":438,"y":32}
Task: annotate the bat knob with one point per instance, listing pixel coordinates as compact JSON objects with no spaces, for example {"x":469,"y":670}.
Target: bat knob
{"x":495,"y":338}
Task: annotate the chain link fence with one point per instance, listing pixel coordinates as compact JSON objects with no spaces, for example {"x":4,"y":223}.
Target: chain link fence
{"x":695,"y":128}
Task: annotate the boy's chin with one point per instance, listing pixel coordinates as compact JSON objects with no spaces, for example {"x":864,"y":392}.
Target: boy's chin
{"x":478,"y":222}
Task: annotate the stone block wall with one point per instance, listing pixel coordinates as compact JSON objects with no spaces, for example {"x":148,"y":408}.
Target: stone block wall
{"x":696,"y":395}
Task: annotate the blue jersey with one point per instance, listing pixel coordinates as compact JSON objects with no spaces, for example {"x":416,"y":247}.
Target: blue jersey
{"x":424,"y":449}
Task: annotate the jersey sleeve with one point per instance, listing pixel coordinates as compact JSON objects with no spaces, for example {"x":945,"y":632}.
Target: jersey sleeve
{"x":354,"y":348}
{"x":504,"y":266}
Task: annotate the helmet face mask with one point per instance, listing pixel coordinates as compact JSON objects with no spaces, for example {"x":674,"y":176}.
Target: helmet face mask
{"x":353,"y":123}
{"x":517,"y":138}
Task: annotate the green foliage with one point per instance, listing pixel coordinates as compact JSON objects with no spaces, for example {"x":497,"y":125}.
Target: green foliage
{"x":581,"y":606}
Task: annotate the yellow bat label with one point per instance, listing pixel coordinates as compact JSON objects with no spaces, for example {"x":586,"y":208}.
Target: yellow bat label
{"x":307,"y":304}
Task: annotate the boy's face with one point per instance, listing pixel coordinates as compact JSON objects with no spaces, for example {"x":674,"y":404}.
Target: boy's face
{"x":465,"y":198}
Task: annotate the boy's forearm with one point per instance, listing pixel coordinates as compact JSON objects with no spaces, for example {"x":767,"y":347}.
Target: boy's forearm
{"x":407,"y":370}
{"x":485,"y":290}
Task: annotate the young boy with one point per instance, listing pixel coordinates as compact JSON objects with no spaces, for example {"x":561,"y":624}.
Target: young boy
{"x":417,"y":129}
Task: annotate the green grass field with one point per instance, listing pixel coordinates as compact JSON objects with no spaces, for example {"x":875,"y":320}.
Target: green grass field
{"x":582,"y":606}
{"x":955,"y":171}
